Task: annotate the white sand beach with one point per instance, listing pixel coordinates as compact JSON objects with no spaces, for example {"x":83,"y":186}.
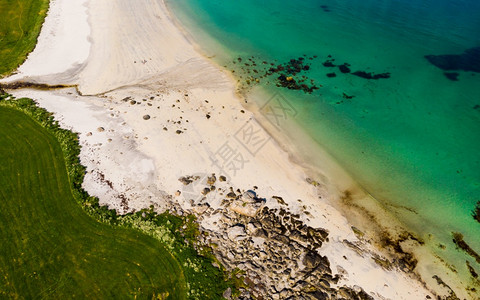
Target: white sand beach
{"x":149,"y":109}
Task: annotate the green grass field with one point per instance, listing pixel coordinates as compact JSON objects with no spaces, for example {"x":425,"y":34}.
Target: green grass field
{"x":21,"y":21}
{"x":49,"y":247}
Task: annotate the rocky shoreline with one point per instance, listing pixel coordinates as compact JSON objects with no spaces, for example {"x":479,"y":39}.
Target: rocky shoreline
{"x":275,"y":251}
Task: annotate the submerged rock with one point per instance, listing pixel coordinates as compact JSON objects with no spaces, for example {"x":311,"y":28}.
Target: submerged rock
{"x":344,"y":68}
{"x":467,"y":61}
{"x":453,"y":76}
{"x":460,"y":243}
{"x":476,"y":212}
{"x":369,"y":75}
{"x":328,"y":63}
{"x":325,"y":8}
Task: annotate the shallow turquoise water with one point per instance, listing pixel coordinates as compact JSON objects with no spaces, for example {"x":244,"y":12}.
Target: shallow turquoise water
{"x":410,"y":140}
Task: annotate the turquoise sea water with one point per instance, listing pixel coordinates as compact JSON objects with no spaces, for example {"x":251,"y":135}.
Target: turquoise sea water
{"x":410,"y":140}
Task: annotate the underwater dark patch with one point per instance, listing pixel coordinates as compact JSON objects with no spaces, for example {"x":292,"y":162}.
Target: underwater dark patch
{"x":476,"y":212}
{"x":468,"y":61}
{"x":325,"y":8}
{"x":344,"y":68}
{"x":453,"y":76}
{"x":369,"y":75}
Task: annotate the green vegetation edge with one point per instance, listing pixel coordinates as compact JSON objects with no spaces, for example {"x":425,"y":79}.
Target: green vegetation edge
{"x":19,"y":30}
{"x":179,"y":234}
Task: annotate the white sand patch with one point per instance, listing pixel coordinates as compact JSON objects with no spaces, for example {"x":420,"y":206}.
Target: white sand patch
{"x":63,"y":42}
{"x":132,"y":40}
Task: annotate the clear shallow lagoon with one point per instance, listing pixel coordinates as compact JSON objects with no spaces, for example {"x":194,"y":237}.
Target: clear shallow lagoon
{"x":410,"y":140}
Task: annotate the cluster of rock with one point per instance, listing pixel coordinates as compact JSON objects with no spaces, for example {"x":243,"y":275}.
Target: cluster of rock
{"x":288,"y":73}
{"x":275,"y":251}
{"x":345,"y":69}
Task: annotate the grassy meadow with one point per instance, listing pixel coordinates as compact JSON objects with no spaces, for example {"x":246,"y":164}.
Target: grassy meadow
{"x":50,"y":248}
{"x":20,"y":24}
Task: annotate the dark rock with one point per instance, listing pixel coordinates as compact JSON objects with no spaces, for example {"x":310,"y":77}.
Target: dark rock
{"x":468,"y":61}
{"x":319,"y":295}
{"x":472,"y":270}
{"x":331,"y":75}
{"x":460,"y":243}
{"x":312,"y":260}
{"x":476,"y":212}
{"x":178,"y":131}
{"x":280,"y":200}
{"x":222,"y":178}
{"x":211,"y":179}
{"x":260,"y":233}
{"x":185,"y":180}
{"x":325,"y":8}
{"x":295,"y":235}
{"x":369,"y":75}
{"x":317,"y":235}
{"x":328,"y":63}
{"x":282,"y":239}
{"x":290,"y":83}
{"x":442,"y":283}
{"x":453,"y":76}
{"x":350,"y":293}
{"x":146,"y":117}
{"x":344,"y":68}
{"x":231,"y":195}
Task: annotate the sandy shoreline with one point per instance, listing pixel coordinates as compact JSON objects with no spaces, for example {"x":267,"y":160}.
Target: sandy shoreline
{"x":159,"y":110}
